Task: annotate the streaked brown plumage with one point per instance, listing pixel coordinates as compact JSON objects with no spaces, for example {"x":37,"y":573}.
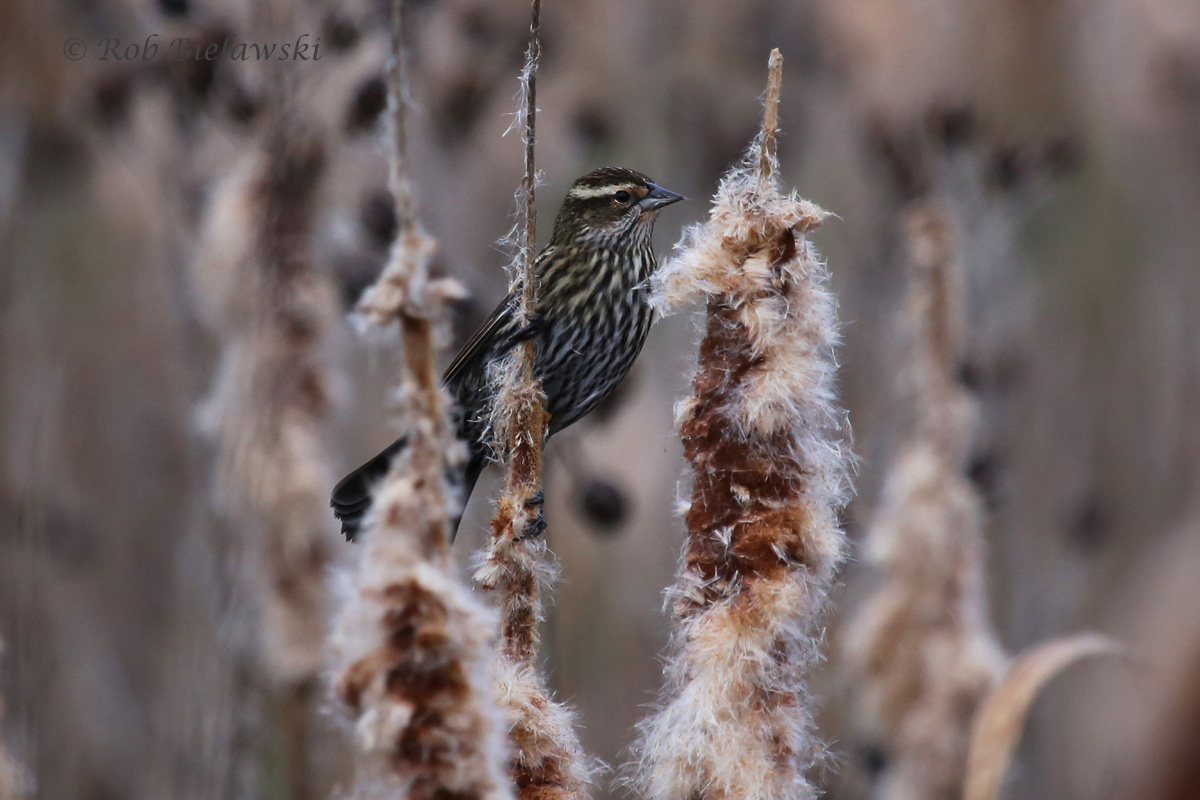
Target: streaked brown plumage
{"x":592,"y":319}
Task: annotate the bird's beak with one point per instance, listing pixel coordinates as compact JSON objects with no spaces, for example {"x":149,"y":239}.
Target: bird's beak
{"x":658,"y":198}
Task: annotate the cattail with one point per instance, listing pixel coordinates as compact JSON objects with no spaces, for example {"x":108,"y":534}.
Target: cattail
{"x":763,"y":436}
{"x":548,"y":762}
{"x":272,"y":307}
{"x":921,"y":643}
{"x":413,"y":643}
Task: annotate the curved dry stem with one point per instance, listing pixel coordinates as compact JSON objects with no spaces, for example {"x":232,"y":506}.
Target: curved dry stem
{"x":1002,"y":716}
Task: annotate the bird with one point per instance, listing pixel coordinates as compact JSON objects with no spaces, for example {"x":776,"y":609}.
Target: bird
{"x":588,"y":325}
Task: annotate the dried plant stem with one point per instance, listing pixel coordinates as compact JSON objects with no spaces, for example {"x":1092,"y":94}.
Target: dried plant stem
{"x":997,"y":728}
{"x":770,"y":126}
{"x":398,"y":167}
{"x":529,"y":179}
{"x":414,"y":643}
{"x":522,"y":399}
{"x":405,"y":293}
{"x":922,"y":643}
{"x":769,"y":476}
{"x":547,"y":759}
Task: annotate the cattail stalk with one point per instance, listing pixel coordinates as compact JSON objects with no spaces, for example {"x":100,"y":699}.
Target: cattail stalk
{"x":413,"y":643}
{"x":762,"y":435}
{"x":548,"y":761}
{"x":922,"y":642}
{"x":271,"y":307}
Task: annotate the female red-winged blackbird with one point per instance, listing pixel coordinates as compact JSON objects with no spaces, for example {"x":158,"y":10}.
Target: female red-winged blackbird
{"x":591,"y":319}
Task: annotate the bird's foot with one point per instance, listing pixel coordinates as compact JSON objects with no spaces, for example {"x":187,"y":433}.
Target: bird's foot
{"x":534,"y":324}
{"x":533,"y":530}
{"x":537,"y":526}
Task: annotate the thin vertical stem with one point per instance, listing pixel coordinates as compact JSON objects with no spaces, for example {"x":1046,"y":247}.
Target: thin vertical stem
{"x":521,"y":407}
{"x":770,"y":126}
{"x":529,"y":184}
{"x":547,"y":763}
{"x":401,"y":183}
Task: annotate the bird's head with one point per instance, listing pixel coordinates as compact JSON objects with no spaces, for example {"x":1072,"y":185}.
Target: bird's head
{"x":610,"y":203}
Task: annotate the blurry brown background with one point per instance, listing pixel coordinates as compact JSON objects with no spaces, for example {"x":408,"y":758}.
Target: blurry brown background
{"x":1064,"y":137}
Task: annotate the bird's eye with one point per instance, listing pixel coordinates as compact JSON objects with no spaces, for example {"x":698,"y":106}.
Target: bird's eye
{"x":622,"y":197}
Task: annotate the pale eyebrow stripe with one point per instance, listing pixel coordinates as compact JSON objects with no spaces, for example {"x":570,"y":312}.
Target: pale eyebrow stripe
{"x":588,"y":192}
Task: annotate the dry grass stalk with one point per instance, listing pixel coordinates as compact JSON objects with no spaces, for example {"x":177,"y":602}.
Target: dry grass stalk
{"x":548,"y":761}
{"x":1001,"y":718}
{"x":405,"y":293}
{"x":413,"y":641}
{"x":762,"y":434}
{"x":921,"y":643}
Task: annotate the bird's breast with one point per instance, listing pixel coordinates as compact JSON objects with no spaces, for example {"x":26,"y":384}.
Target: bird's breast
{"x":586,"y":352}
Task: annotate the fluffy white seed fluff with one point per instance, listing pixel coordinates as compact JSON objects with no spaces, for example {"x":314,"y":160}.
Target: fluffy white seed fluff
{"x":401,"y":585}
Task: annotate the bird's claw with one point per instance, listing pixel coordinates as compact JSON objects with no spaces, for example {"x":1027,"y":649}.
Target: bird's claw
{"x":532,"y":327}
{"x":538,"y":525}
{"x":534,"y":322}
{"x":534,"y":529}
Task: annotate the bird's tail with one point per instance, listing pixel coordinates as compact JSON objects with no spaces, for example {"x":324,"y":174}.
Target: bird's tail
{"x":352,"y":497}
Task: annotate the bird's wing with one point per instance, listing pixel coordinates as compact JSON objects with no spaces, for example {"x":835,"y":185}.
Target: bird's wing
{"x":492,"y":331}
{"x":481,"y":340}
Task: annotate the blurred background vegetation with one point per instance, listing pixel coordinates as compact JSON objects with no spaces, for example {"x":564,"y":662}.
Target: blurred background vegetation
{"x":1061,"y":136}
